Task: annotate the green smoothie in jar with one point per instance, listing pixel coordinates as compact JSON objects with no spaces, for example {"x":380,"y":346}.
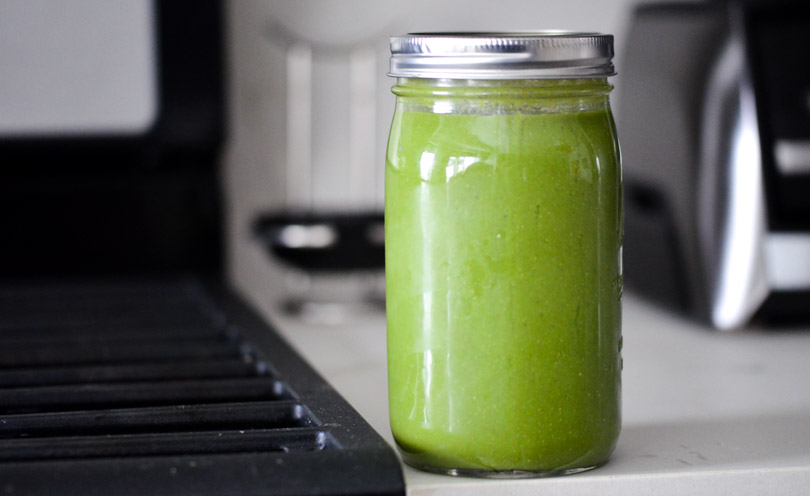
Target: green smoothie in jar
{"x":503,"y":258}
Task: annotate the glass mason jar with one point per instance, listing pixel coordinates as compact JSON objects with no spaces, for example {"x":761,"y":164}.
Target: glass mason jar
{"x":503,"y":236}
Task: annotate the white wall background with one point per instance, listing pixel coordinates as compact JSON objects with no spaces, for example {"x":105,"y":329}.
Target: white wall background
{"x":76,"y":67}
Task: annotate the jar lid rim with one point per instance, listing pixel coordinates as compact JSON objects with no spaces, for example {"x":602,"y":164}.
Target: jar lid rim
{"x":502,"y":55}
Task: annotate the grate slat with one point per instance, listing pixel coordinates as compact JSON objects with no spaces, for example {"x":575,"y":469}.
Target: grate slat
{"x":179,"y":418}
{"x":245,"y":366}
{"x":104,"y":396}
{"x":49,"y":355}
{"x":78,"y":313}
{"x":124,"y":333}
{"x":256,"y":440}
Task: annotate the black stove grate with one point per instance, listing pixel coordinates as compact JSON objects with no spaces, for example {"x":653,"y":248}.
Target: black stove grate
{"x":113,"y":386}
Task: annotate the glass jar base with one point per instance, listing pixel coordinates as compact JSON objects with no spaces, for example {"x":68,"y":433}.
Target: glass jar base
{"x":497,"y":474}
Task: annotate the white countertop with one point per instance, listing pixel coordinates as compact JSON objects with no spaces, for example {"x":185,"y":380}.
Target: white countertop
{"x":703,"y":412}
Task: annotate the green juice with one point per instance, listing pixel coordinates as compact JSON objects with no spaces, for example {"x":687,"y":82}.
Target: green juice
{"x":503,"y":231}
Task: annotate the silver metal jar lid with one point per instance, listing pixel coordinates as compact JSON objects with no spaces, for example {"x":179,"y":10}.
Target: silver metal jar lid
{"x":538,"y":55}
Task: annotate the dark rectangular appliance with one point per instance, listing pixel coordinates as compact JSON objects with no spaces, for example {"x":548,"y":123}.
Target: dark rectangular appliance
{"x":715,"y":124}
